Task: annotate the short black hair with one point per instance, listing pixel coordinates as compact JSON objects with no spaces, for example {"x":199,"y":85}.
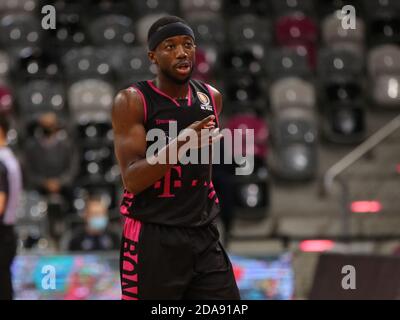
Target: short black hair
{"x":163,"y":22}
{"x":4,"y":124}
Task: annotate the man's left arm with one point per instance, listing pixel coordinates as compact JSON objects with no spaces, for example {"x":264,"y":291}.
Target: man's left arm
{"x":3,"y":188}
{"x":218,"y":99}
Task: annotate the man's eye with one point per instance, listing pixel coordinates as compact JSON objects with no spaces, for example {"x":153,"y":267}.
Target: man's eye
{"x":170,"y":46}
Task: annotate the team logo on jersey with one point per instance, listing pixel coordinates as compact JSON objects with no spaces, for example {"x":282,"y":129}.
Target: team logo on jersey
{"x":205,"y":101}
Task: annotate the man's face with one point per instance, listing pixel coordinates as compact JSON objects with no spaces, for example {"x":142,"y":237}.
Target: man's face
{"x":175,"y":58}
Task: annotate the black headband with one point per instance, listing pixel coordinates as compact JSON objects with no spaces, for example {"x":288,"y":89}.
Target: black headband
{"x":167,"y":31}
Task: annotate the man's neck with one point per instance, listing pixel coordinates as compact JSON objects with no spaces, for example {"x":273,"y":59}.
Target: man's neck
{"x":176,"y":91}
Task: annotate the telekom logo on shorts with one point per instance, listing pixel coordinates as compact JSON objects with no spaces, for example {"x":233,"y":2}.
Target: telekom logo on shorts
{"x":238,"y":148}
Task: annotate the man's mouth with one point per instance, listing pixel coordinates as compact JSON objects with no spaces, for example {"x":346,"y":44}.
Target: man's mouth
{"x":183,"y":67}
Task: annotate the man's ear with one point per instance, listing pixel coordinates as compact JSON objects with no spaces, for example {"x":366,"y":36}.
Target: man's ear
{"x":152,"y":57}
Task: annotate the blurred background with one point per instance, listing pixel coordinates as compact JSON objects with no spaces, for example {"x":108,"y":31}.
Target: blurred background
{"x":323,"y":101}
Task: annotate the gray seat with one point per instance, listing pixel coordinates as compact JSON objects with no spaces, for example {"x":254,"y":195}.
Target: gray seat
{"x":287,"y":7}
{"x":379,"y":8}
{"x":40,"y":96}
{"x":132,"y":64}
{"x":90,"y":100}
{"x":142,"y":8}
{"x":386,"y":91}
{"x":285,"y":62}
{"x":86,"y":62}
{"x":189,"y":6}
{"x":384,"y":73}
{"x":20,"y":30}
{"x":208,"y":28}
{"x":14,"y":6}
{"x":295,"y":125}
{"x":294,"y":154}
{"x":112,"y":30}
{"x":384,"y":59}
{"x":5,"y":64}
{"x":292,"y":91}
{"x":338,"y":62}
{"x":335,"y":36}
{"x":249,"y":28}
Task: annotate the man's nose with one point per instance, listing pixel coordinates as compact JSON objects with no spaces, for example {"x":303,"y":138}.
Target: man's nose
{"x":180,"y":52}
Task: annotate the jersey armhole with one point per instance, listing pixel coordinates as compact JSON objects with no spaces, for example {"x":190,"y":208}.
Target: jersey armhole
{"x":144,"y":102}
{"x":213,"y":102}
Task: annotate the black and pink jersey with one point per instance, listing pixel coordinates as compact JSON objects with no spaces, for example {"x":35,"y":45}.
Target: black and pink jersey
{"x":185,"y":196}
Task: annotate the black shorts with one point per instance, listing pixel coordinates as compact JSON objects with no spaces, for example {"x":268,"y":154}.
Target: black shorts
{"x":164,"y":262}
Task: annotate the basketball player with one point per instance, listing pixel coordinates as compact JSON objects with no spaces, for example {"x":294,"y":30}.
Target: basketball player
{"x":170,"y":245}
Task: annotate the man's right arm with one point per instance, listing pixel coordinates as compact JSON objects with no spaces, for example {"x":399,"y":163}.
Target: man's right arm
{"x":130,"y":143}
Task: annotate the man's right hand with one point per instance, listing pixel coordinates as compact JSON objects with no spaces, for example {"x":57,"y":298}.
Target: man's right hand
{"x":204,"y":129}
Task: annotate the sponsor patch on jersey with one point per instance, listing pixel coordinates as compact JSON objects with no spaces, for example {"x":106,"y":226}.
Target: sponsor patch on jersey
{"x":205,"y":101}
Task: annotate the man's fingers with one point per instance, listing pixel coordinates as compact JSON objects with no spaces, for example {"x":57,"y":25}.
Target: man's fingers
{"x":205,"y":121}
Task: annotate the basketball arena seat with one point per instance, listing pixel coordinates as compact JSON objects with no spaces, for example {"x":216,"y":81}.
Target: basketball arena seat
{"x":383,"y":22}
{"x":208,"y":28}
{"x":383,"y":30}
{"x":335,"y":36}
{"x":292,"y":92}
{"x":244,"y":92}
{"x":103,"y":7}
{"x":341,"y":95}
{"x":249,"y":29}
{"x":244,"y":58}
{"x":327,"y":7}
{"x":112,"y":30}
{"x":234,"y":7}
{"x":252,"y":191}
{"x":251,"y":120}
{"x":86,"y":62}
{"x":20,"y":30}
{"x":293,"y":155}
{"x":34,"y":62}
{"x":32,"y":221}
{"x":209,"y":6}
{"x":130,"y":65}
{"x":141,"y":8}
{"x":204,"y":68}
{"x":6,"y":100}
{"x":380,"y":8}
{"x":4,"y":64}
{"x":39,"y":96}
{"x":288,"y":7}
{"x":298,"y":30}
{"x":344,"y":122}
{"x":90,"y":100}
{"x":286,"y":62}
{"x":69,"y":32}
{"x":384,"y":75}
{"x":17,"y":6}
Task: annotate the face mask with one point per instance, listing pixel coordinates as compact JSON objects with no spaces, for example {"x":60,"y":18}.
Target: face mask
{"x":98,"y":223}
{"x":47,"y":131}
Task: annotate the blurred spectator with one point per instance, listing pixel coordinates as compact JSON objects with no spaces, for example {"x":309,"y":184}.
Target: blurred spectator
{"x":51,"y":165}
{"x":95,"y":234}
{"x":10,"y":190}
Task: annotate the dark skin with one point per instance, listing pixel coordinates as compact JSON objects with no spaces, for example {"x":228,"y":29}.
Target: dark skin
{"x":128,"y":115}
